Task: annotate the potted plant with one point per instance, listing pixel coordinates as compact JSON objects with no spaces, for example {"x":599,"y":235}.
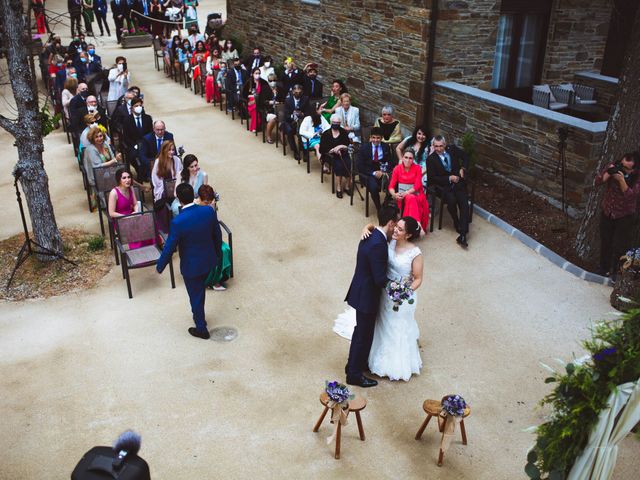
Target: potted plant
{"x":135,"y":37}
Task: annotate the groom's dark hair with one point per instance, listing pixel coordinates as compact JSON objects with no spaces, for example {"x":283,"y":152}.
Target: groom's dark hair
{"x":185,"y":193}
{"x":387,"y":214}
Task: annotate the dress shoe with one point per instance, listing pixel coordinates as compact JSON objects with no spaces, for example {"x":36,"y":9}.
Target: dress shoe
{"x":204,"y":334}
{"x":339,"y":194}
{"x":347,"y":192}
{"x":363,"y":381}
{"x":462,"y":240}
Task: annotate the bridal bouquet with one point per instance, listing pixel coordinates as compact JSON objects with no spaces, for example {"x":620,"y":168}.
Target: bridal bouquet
{"x":338,"y":392}
{"x":454,"y":405}
{"x":399,"y":291}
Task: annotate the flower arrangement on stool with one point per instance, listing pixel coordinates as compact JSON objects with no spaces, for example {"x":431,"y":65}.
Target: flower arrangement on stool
{"x":337,"y":398}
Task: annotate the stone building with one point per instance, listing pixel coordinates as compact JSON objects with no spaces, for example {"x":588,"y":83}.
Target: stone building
{"x":459,"y":66}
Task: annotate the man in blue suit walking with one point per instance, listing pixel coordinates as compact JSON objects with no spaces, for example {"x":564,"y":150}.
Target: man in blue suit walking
{"x":369,"y":279}
{"x":196,"y":234}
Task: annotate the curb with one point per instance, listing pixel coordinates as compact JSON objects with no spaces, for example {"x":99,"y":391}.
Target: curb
{"x":541,"y":249}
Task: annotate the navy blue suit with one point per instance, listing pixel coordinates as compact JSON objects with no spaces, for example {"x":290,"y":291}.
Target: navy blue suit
{"x":196,"y":234}
{"x":367,"y":166}
{"x":369,"y":278}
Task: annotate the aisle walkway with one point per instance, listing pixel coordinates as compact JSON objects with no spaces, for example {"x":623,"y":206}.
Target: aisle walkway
{"x":78,"y":369}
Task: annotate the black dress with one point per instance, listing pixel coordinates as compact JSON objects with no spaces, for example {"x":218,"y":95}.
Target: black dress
{"x":341,"y":163}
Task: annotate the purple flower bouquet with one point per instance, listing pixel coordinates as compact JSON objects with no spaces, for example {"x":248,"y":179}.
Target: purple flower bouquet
{"x":338,"y":392}
{"x":399,"y":291}
{"x":454,"y":405}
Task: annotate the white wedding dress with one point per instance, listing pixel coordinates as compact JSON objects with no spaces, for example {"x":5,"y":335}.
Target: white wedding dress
{"x":394,"y":351}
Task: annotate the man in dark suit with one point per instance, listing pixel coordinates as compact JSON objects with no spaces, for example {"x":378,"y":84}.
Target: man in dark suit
{"x":196,"y":233}
{"x":134,"y":127}
{"x":151,"y":143}
{"x":375,"y":161}
{"x":253,"y":61}
{"x":296,"y":107}
{"x":312,"y":86}
{"x":234,"y":81}
{"x":369,"y":279}
{"x":446,"y":168}
{"x":120,"y":12}
{"x":291,"y":76}
{"x":78,"y":108}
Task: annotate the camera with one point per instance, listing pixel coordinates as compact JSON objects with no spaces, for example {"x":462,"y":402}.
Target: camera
{"x":614,"y":169}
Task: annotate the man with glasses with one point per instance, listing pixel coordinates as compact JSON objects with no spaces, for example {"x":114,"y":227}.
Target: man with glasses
{"x":150,"y":146}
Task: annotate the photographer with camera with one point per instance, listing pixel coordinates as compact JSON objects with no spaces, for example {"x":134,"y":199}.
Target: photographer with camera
{"x":618,"y":210}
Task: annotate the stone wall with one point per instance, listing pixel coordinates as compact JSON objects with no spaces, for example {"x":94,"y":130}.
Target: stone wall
{"x":577,"y":37}
{"x":466,"y":41}
{"x":606,"y":88}
{"x":520,"y":140}
{"x":378,"y":47}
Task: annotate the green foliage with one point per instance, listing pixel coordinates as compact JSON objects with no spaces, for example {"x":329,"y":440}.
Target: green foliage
{"x":581,"y":393}
{"x":468,"y":143}
{"x":96,"y":243}
{"x":49,"y":122}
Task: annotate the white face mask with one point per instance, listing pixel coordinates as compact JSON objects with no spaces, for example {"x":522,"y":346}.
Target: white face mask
{"x":93,"y":125}
{"x":91,"y":108}
{"x":267,"y":64}
{"x":120,"y":67}
{"x":137,"y":109}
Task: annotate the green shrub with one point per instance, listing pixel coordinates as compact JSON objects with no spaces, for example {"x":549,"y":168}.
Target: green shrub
{"x":96,"y":243}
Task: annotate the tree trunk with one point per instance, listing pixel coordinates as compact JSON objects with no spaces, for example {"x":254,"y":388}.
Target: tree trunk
{"x":622,"y":136}
{"x":27,"y":129}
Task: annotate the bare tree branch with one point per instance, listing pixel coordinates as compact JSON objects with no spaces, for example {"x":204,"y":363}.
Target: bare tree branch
{"x":9,"y":125}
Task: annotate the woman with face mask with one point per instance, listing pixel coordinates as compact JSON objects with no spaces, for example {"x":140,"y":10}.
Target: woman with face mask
{"x":200,"y":56}
{"x":212,"y":92}
{"x":119,"y":79}
{"x":229,"y":52}
{"x":276,"y":97}
{"x":256,"y":93}
{"x":334,"y":145}
{"x":267,"y":68}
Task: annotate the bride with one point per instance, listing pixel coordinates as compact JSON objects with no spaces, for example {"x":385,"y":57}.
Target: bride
{"x":394,"y":351}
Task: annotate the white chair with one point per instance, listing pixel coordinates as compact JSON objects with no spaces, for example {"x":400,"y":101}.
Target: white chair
{"x":544,"y":97}
{"x":581,"y":94}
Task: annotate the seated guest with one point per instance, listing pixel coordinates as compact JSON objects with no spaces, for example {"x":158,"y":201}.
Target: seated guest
{"x":211,"y":89}
{"x":81,"y":65}
{"x":78,"y":108}
{"x":136,"y":126}
{"x":229,"y":52}
{"x":349,"y":117}
{"x":151,"y":144}
{"x":91,"y":121}
{"x":312,"y":86}
{"x":69,"y":91}
{"x":185,"y":54}
{"x":375,"y":163}
{"x":123,"y":201}
{"x":311,"y":129}
{"x":191,"y":174}
{"x":334,"y":146}
{"x":172,"y":52}
{"x":221,"y":77}
{"x":89,"y":107}
{"x":295,"y":108}
{"x":276,"y":96}
{"x":166,"y":167}
{"x":446,"y":168}
{"x":200,"y":55}
{"x":267,"y":69}
{"x":222,"y":271}
{"x":235,"y":80}
{"x":213,"y":42}
{"x":256,"y":93}
{"x":417,"y":142}
{"x":62,"y":74}
{"x":291,"y":76}
{"x":98,"y":153}
{"x":390,"y":127}
{"x":194,"y":37}
{"x":329,"y":107}
{"x":123,"y":110}
{"x":95,"y":62}
{"x":254,"y":61}
{"x":406,"y":188}
{"x":119,"y":78}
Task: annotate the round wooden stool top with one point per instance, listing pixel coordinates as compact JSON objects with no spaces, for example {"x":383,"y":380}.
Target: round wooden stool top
{"x":355,"y":405}
{"x":434,"y":407}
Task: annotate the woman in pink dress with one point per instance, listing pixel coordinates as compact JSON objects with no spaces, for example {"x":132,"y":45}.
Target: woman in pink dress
{"x":212,"y":92}
{"x":123,"y":201}
{"x":406,"y":187}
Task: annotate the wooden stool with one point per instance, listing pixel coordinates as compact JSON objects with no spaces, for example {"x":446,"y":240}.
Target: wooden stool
{"x":356,"y":405}
{"x":433,"y":409}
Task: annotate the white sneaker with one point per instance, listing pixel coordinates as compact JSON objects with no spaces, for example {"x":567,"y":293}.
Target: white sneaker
{"x":219,"y":288}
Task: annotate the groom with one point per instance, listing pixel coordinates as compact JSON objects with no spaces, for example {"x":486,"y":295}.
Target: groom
{"x":369,"y":279}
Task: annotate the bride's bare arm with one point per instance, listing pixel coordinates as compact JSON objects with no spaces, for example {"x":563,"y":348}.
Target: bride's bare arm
{"x":416,"y":271}
{"x":366,"y":231}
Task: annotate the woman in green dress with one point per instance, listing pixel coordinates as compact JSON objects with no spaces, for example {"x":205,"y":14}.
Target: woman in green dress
{"x":87,"y":13}
{"x":337,"y":89}
{"x":222,"y":271}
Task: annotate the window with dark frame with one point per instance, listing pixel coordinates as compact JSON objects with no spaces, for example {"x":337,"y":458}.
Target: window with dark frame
{"x":520,"y":46}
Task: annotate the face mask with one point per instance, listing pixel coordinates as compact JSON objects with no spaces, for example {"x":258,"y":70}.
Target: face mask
{"x":335,"y":126}
{"x":137,"y":109}
{"x":256,"y":77}
{"x":237,"y":67}
{"x":91,"y":108}
{"x":84,"y":93}
{"x":73,"y":75}
{"x":223,"y":69}
{"x":272,"y":84}
{"x":92,"y":51}
{"x":267,"y":64}
{"x":93,"y":125}
{"x":120,"y":67}
{"x":83,"y":60}
{"x":79,"y":50}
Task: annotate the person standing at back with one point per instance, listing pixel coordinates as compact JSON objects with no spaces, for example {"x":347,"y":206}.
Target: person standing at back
{"x":196,"y":234}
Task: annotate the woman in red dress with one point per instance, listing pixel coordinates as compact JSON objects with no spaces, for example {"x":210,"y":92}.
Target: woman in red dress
{"x":406,"y":187}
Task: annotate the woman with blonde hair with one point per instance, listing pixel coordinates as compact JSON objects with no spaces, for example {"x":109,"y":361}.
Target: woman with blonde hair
{"x":69,"y":91}
{"x":166,"y":167}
